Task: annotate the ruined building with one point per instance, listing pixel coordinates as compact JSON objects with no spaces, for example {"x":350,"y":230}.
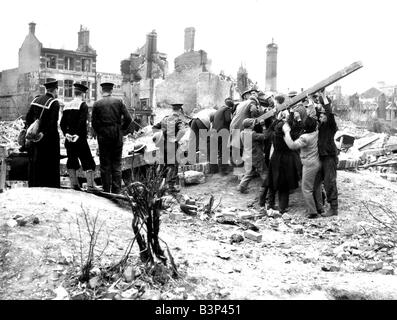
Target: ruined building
{"x":271,"y":67}
{"x":141,"y":72}
{"x":192,"y":83}
{"x":38,"y":65}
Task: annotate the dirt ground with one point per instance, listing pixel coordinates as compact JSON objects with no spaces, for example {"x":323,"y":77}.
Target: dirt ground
{"x":297,"y":258}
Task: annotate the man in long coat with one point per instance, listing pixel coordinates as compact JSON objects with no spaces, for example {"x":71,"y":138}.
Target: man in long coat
{"x":44,"y":153}
{"x":110,"y":118}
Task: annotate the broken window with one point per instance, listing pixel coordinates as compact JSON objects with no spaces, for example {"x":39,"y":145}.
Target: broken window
{"x":51,"y":61}
{"x":85,"y":65}
{"x":68,"y":90}
{"x":69,"y":63}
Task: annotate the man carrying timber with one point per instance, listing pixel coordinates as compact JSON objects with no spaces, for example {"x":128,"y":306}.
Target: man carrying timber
{"x":74,"y":128}
{"x":43,"y":147}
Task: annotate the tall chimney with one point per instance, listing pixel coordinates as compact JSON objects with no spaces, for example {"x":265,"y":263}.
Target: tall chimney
{"x":151,"y":48}
{"x":271,"y":67}
{"x":189,"y":39}
{"x":83,"y":39}
{"x":32,"y":28}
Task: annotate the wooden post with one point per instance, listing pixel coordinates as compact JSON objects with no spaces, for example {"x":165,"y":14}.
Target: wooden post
{"x":3,"y":168}
{"x":317,"y":87}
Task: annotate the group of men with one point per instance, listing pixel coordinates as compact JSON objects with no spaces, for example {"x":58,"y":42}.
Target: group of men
{"x":292,"y":146}
{"x":110,"y":120}
{"x":295,"y":146}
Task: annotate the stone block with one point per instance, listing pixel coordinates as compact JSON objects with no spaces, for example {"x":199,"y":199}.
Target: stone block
{"x":388,"y":270}
{"x":252,"y":235}
{"x":176,"y":215}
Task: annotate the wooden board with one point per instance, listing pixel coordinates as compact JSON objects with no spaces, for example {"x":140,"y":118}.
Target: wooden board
{"x":317,"y":87}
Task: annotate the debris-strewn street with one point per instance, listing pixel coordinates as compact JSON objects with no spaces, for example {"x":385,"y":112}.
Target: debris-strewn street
{"x":351,"y":256}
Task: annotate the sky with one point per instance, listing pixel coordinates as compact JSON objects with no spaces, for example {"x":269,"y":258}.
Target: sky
{"x":315,"y":38}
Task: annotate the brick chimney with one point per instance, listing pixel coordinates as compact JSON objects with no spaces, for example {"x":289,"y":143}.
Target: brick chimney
{"x":84,"y":39}
{"x":189,"y":39}
{"x":32,"y":28}
{"x":151,"y":48}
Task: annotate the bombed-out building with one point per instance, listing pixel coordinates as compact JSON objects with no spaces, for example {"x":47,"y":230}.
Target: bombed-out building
{"x":192,"y":82}
{"x":141,"y":72}
{"x":38,"y":64}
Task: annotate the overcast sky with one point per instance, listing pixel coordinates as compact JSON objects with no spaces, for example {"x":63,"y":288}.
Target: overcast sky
{"x":315,"y":38}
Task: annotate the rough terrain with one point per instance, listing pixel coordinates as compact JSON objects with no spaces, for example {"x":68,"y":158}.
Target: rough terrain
{"x":345,"y":257}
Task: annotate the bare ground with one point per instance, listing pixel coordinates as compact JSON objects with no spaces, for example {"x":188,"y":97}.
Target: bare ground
{"x":296,"y":259}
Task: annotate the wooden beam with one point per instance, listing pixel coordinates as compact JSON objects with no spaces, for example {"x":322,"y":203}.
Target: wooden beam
{"x":317,"y":87}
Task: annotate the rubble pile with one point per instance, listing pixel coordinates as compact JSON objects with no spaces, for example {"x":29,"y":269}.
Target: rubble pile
{"x":9,"y":132}
{"x":370,"y":151}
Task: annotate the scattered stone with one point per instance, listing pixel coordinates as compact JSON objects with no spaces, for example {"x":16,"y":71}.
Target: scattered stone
{"x":193,"y":177}
{"x":176,"y":215}
{"x":12,"y":223}
{"x":61,"y":293}
{"x":130,"y":293}
{"x":129,"y":274}
{"x":95,"y":271}
{"x":94,"y":282}
{"x":15,"y":217}
{"x":224,"y":293}
{"x":330,"y":268}
{"x":373,"y":266}
{"x":35,"y":220}
{"x":252,"y":235}
{"x":342,"y":256}
{"x":80,"y":296}
{"x":298,"y":229}
{"x":236,"y":238}
{"x":21,"y":222}
{"x":237,"y":269}
{"x":223,"y":255}
{"x":245,"y":215}
{"x":388,"y":270}
{"x":273,"y":213}
{"x":54,"y":276}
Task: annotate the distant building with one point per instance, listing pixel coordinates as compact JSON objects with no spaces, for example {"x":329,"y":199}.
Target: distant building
{"x":38,"y":65}
{"x":373,"y":101}
{"x":141,"y":72}
{"x":192,"y":83}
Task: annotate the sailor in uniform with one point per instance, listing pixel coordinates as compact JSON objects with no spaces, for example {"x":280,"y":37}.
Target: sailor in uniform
{"x":74,"y":128}
{"x":44,"y":152}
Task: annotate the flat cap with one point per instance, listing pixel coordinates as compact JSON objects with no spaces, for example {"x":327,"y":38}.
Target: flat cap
{"x":51,"y":84}
{"x":107,"y":85}
{"x":81,"y":87}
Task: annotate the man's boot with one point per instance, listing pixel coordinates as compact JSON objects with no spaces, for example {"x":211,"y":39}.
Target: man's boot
{"x":262,"y":196}
{"x":91,"y":181}
{"x":333,"y":211}
{"x":74,"y":182}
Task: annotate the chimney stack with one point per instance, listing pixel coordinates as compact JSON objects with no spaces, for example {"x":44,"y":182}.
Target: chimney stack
{"x":32,"y":28}
{"x":151,"y":48}
{"x":83,"y":39}
{"x":189,"y":39}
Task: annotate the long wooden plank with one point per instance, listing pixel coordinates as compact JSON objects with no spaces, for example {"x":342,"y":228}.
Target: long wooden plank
{"x":317,"y":87}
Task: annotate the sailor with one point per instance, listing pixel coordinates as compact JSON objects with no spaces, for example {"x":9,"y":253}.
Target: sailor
{"x":43,"y":147}
{"x":74,"y":128}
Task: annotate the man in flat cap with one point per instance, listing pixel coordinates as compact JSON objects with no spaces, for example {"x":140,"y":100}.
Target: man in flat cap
{"x":172,"y":129}
{"x":43,"y":148}
{"x":74,"y":128}
{"x":110,"y":118}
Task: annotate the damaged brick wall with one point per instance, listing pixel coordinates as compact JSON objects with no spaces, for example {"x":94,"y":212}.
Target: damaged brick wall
{"x":179,"y":87}
{"x":212,"y":91}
